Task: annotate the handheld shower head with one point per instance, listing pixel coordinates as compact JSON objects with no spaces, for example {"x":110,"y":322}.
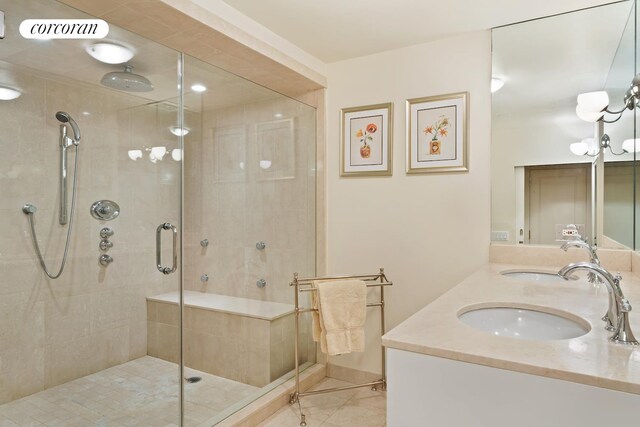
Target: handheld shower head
{"x":66,"y":118}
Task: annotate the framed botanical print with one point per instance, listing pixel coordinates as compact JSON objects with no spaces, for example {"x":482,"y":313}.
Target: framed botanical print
{"x":437,"y":134}
{"x":365,"y":147}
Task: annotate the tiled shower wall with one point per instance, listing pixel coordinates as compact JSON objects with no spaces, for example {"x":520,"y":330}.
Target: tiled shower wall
{"x":251,"y":178}
{"x":52,"y":331}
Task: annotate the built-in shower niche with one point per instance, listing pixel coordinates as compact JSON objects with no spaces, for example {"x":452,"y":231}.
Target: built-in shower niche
{"x":236,"y":338}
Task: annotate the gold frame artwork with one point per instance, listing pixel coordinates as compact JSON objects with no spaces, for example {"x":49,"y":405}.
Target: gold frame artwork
{"x":440,"y":141}
{"x":367,"y":151}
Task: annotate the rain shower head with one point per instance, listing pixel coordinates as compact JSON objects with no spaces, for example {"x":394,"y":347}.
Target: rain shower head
{"x":66,"y":118}
{"x":127,"y":81}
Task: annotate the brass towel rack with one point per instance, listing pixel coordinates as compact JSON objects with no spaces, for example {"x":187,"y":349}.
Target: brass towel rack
{"x":377,"y":280}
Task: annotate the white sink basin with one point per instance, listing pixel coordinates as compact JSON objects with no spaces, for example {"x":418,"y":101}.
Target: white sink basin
{"x":535,"y":275}
{"x":525,"y":323}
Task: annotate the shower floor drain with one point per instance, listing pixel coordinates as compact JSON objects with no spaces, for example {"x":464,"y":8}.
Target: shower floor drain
{"x":192,"y":380}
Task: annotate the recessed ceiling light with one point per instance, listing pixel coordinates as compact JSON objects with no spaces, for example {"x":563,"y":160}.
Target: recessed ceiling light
{"x":110,"y":53}
{"x":198,"y":87}
{"x":178,"y":131}
{"x":496,"y":84}
{"x":7,"y":93}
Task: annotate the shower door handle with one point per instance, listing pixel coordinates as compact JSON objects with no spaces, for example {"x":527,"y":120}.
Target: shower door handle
{"x":166,"y":226}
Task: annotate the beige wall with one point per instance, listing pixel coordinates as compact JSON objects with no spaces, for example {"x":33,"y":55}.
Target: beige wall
{"x":428,"y":231}
{"x":235,"y":208}
{"x":53,"y":331}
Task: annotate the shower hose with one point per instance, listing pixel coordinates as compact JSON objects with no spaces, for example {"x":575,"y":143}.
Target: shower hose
{"x":31,"y":215}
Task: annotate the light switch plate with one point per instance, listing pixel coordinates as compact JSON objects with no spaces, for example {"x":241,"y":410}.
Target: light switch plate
{"x":499,"y":236}
{"x":565,"y":232}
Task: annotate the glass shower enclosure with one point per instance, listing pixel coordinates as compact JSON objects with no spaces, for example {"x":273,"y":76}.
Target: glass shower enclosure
{"x":189,"y":197}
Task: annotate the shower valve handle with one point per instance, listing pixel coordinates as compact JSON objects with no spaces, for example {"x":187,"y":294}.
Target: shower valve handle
{"x":106,"y":232}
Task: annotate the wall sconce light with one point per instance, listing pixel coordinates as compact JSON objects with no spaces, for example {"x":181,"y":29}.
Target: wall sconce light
{"x":631,"y":145}
{"x":176,"y":154}
{"x":135,"y":154}
{"x":593,"y":106}
{"x":583,"y":148}
{"x":155,"y":154}
{"x":586,"y":147}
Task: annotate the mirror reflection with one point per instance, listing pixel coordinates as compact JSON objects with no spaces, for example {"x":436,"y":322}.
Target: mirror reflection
{"x":563,"y":143}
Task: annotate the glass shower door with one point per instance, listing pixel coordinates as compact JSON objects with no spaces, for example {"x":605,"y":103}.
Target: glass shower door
{"x":100,"y":344}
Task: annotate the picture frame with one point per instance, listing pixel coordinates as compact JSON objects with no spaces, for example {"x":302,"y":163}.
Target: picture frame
{"x":366,"y":140}
{"x":437,"y":134}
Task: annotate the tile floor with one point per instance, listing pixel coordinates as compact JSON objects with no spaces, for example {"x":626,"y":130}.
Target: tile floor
{"x":354,"y":408}
{"x":142,"y":392}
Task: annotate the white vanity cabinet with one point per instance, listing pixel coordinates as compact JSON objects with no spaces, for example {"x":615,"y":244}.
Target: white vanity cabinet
{"x":441,"y":372}
{"x":437,"y":392}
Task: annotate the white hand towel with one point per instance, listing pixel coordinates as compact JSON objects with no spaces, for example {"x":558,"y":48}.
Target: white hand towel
{"x":339,"y":322}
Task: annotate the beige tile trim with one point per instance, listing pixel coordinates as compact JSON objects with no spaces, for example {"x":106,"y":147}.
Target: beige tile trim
{"x":188,"y":28}
{"x":553,"y":256}
{"x":351,"y":375}
{"x":261,"y":409}
{"x":635,"y":262}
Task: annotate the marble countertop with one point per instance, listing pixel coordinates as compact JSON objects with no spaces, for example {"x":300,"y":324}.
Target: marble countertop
{"x":590,"y":359}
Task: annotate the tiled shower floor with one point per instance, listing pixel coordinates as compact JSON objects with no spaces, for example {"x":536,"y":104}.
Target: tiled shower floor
{"x":142,"y":392}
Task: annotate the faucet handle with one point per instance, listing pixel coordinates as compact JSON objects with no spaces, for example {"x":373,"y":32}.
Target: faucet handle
{"x":625,"y":306}
{"x":618,"y":277}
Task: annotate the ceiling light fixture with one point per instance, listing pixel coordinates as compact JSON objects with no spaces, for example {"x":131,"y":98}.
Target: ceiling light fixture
{"x":198,"y":87}
{"x":496,"y":84}
{"x":8,"y":93}
{"x":110,"y":53}
{"x":179,"y":131}
{"x":593,"y":106}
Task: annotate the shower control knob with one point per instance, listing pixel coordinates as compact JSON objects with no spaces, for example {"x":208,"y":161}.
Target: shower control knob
{"x":105,"y":260}
{"x":29,"y":209}
{"x":106,"y":232}
{"x":105,"y":210}
{"x":105,"y":245}
{"x":261,"y":283}
{"x":261,"y":245}
{"x":204,"y":243}
{"x":204,"y":278}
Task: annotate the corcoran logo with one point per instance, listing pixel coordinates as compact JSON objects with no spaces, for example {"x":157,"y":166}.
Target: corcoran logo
{"x":64,"y":29}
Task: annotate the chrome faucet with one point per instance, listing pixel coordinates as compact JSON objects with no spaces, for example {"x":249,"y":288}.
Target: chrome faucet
{"x":619,"y":315}
{"x":593,"y":256}
{"x":592,"y":277}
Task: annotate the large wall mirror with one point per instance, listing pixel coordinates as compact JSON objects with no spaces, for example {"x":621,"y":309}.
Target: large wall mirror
{"x":555,"y":175}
